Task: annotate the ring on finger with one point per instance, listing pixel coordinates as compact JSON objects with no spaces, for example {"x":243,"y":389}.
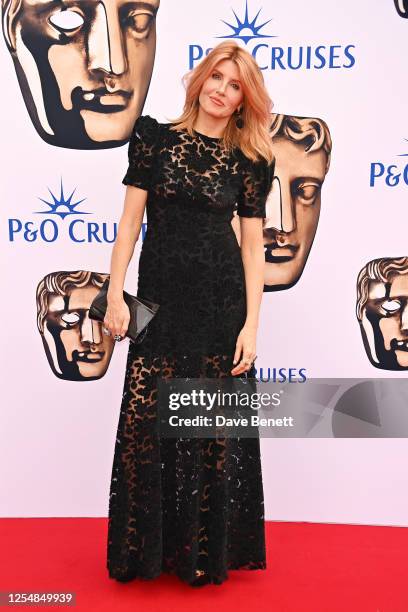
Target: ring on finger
{"x":249,"y":363}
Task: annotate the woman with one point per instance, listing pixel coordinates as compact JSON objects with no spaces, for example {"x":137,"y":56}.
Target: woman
{"x":193,"y":507}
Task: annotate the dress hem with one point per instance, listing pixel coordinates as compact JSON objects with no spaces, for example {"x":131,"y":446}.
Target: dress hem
{"x":169,"y":572}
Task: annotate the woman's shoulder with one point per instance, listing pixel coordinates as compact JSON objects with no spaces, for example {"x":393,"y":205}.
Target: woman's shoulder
{"x":145,"y":125}
{"x":251,"y":165}
{"x":148,"y":128}
{"x":260,"y":172}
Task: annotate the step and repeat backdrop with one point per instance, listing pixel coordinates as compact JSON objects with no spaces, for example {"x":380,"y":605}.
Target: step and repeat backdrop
{"x":76,"y":75}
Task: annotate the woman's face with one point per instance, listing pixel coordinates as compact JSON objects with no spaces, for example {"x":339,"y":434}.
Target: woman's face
{"x":221,"y":93}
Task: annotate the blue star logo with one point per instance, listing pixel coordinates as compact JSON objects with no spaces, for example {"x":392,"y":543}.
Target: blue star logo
{"x":246,"y":30}
{"x":61,"y":206}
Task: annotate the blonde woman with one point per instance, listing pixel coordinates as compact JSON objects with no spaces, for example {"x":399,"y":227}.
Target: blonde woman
{"x":192,"y":507}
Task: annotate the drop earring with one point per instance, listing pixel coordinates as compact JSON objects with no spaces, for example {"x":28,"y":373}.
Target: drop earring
{"x":239,"y":122}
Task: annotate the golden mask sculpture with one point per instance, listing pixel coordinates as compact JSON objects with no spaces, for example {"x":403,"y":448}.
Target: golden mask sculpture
{"x":382,"y":311}
{"x":75,"y":346}
{"x":83,"y":66}
{"x":302,"y":148}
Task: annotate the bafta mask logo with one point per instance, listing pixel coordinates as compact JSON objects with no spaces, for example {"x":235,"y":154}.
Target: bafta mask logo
{"x":382,"y":311}
{"x":402,"y":8}
{"x":302,"y":148}
{"x":84,"y":67}
{"x":75,"y":346}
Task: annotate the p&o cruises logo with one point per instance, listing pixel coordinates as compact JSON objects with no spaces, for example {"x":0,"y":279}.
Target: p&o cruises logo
{"x":390,"y":175}
{"x":61,"y":218}
{"x":276,"y":57}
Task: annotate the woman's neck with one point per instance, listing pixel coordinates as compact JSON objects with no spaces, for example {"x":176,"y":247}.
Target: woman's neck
{"x":210,"y":126}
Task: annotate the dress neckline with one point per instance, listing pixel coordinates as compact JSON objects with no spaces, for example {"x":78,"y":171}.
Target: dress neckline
{"x":213,"y":138}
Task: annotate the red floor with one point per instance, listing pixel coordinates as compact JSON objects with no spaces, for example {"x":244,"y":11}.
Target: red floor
{"x":311,"y":568}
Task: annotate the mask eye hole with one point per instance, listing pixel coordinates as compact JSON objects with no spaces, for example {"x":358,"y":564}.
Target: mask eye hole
{"x":391,"y":306}
{"x":67,"y":20}
{"x":70,"y":318}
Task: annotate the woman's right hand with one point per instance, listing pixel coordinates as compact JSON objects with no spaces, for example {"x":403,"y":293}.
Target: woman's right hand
{"x":117,"y":317}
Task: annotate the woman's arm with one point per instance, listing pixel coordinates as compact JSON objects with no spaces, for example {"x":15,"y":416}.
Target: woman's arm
{"x":117,"y":313}
{"x":253,"y":258}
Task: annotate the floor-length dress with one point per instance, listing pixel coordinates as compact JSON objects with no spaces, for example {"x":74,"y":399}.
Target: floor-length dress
{"x":178,"y":505}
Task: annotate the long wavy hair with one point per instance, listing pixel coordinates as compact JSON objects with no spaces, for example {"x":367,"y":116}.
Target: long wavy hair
{"x":253,"y":138}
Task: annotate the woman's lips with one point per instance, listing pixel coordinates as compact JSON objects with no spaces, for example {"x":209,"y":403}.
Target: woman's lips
{"x":216,"y":101}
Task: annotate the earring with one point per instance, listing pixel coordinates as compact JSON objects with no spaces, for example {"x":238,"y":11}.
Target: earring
{"x":239,"y":122}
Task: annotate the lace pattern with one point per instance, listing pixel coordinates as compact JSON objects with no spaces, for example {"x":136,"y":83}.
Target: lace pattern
{"x":178,"y":505}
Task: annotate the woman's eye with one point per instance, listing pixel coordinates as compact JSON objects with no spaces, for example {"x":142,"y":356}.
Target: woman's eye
{"x":215,"y":75}
{"x":391,"y":306}
{"x":67,"y":20}
{"x":141,"y":21}
{"x":70,"y":318}
{"x":235,"y":86}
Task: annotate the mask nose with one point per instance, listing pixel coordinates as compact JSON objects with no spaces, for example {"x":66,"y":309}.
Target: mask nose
{"x":404,"y":318}
{"x":90,"y":331}
{"x":279,"y":208}
{"x":105,"y":42}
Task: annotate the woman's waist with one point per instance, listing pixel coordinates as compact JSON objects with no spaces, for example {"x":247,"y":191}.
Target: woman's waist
{"x":212,"y":226}
{"x":188,"y":247}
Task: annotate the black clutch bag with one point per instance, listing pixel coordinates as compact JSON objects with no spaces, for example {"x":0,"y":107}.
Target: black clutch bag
{"x":141,"y":311}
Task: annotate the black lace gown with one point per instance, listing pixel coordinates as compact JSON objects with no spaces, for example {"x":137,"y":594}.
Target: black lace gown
{"x":179,"y":505}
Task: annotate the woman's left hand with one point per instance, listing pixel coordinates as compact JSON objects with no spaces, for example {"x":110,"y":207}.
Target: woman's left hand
{"x":246,"y":345}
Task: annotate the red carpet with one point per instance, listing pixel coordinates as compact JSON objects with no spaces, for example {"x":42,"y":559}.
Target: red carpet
{"x":311,"y":568}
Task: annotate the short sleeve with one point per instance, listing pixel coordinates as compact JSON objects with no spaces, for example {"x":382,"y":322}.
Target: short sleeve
{"x":142,"y":153}
{"x":256,"y":183}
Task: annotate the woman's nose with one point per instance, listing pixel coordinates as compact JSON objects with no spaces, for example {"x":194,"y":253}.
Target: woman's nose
{"x":221,"y":89}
